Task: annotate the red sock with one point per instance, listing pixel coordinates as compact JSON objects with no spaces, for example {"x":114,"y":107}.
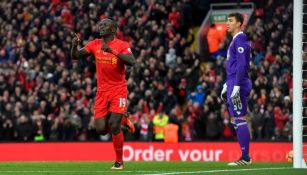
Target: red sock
{"x":124,"y":120}
{"x":118,"y":143}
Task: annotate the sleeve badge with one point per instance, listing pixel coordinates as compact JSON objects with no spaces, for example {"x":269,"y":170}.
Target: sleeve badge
{"x":240,"y":49}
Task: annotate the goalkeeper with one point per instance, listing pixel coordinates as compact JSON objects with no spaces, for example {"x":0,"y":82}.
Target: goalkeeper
{"x":238,"y":84}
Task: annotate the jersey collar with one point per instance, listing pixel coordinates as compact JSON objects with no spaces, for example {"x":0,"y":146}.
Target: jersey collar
{"x":237,"y":35}
{"x":110,"y":42}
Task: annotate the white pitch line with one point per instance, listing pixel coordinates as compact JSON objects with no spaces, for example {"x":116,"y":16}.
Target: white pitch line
{"x":63,"y":171}
{"x":156,"y":172}
{"x":219,"y":171}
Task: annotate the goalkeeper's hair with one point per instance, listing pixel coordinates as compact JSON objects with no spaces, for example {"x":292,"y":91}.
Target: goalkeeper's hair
{"x":238,"y":17}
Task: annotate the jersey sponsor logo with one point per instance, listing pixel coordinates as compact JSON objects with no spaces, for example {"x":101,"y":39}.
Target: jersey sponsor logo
{"x":240,"y":49}
{"x":106,"y":60}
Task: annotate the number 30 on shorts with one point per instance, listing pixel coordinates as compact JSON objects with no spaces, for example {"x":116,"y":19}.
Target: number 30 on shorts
{"x":122,"y":102}
{"x":237,"y":104}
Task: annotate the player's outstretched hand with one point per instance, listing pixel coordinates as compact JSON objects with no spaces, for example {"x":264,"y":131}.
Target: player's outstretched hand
{"x":75,"y":40}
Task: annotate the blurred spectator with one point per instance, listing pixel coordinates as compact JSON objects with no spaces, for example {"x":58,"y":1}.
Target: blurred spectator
{"x":7,"y":130}
{"x":280,"y":119}
{"x":170,"y":100}
{"x":170,"y":60}
{"x":214,"y":38}
{"x":213,"y":127}
{"x":144,"y":128}
{"x":171,"y":133}
{"x":182,"y":91}
{"x":257,"y":123}
{"x":269,"y":122}
{"x":160,"y":120}
{"x":24,"y":129}
{"x":198,"y":96}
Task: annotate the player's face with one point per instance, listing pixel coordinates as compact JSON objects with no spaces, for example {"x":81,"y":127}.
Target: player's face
{"x":232,"y":24}
{"x":105,"y":27}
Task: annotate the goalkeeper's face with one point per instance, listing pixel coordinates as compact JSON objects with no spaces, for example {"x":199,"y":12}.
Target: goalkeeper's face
{"x":106,"y":27}
{"x":233,"y":25}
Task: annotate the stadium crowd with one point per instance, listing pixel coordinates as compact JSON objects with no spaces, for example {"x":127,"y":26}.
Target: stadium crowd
{"x":44,"y":96}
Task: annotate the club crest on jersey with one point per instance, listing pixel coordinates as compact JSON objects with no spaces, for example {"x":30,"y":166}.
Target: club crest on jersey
{"x":114,"y":60}
{"x":240,"y":49}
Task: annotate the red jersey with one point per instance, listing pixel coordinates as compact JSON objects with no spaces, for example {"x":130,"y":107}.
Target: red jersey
{"x":110,"y":70}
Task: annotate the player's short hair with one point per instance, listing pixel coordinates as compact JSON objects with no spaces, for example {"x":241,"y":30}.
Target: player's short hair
{"x":237,"y":16}
{"x":113,"y":22}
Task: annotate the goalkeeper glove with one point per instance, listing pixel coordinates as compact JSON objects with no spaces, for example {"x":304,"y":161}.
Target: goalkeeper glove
{"x":223,"y":93}
{"x":235,"y":93}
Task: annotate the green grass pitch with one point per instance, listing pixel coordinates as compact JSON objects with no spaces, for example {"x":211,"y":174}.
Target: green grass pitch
{"x":148,"y":168}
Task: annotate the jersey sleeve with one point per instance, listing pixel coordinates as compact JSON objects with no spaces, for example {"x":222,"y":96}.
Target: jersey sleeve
{"x":126,"y":48}
{"x":89,"y":47}
{"x":242,"y":54}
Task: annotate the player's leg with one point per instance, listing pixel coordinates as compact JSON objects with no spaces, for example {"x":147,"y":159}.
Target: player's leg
{"x":238,"y":113}
{"x":101,"y":114}
{"x":101,"y":124}
{"x":117,"y":138}
{"x":115,"y":123}
{"x":103,"y":128}
{"x":118,"y":107}
{"x":243,"y":136}
{"x":118,"y":104}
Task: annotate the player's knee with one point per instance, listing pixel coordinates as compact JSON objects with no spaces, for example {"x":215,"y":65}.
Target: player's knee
{"x":233,"y":120}
{"x":240,"y":122}
{"x":101,"y":129}
{"x":115,"y":129}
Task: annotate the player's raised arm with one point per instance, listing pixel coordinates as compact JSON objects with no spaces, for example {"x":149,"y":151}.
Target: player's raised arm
{"x":75,"y":52}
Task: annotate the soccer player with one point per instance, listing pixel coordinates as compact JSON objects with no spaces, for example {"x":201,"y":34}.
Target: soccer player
{"x":111,"y":55}
{"x":238,"y":84}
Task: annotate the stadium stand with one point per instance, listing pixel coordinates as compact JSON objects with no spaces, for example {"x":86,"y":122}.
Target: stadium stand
{"x":46,"y":97}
